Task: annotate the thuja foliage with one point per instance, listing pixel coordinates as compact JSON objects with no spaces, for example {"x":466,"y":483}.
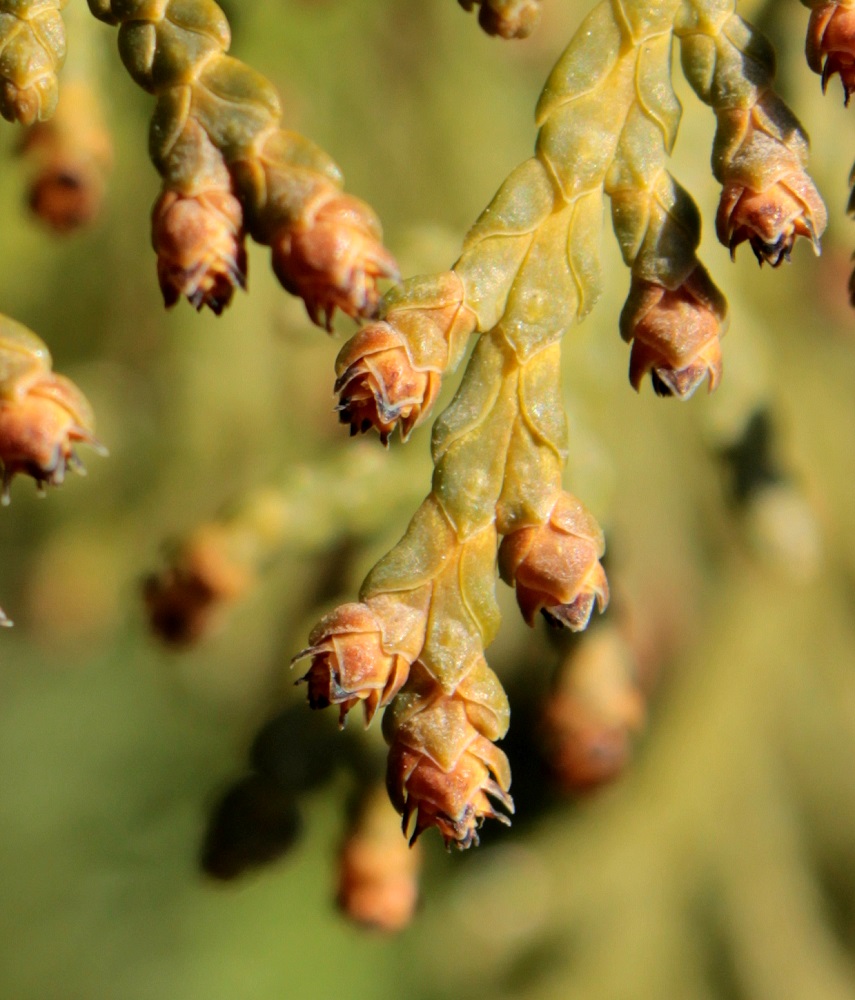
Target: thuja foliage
{"x":529,"y":271}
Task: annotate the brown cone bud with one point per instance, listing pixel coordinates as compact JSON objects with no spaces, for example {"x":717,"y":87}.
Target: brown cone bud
{"x":830,"y":44}
{"x":363,"y":652}
{"x":38,"y":429}
{"x":199,"y":240}
{"x":332,"y":257}
{"x":771,"y":220}
{"x":456,"y":802}
{"x":206,"y":574}
{"x":443,"y":770}
{"x":593,"y":714}
{"x":378,"y":882}
{"x":67,"y":194}
{"x":555,"y":566}
{"x":506,"y":18}
{"x":443,"y":773}
{"x":674,"y":334}
{"x":767,"y":198}
{"x":378,"y":385}
{"x":69,"y":158}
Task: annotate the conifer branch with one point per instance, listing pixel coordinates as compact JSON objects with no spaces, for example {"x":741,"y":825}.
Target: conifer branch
{"x":229,"y":168}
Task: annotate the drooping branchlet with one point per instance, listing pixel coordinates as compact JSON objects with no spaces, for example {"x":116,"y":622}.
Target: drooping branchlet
{"x":760,"y":149}
{"x":216,"y":128}
{"x":529,"y":270}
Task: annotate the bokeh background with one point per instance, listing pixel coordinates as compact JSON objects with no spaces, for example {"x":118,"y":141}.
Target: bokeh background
{"x":721,"y":864}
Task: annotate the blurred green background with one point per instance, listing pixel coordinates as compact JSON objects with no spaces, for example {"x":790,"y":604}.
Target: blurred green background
{"x":721,"y":865}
